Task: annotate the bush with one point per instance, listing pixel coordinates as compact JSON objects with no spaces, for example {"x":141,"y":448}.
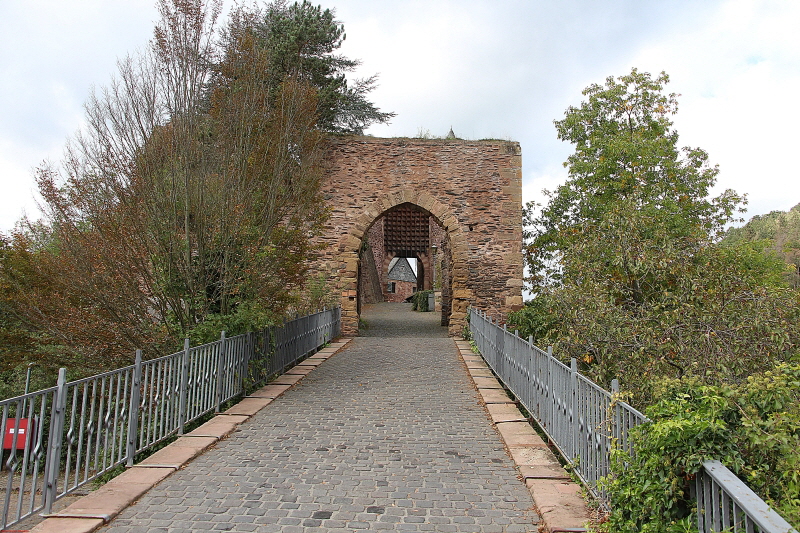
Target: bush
{"x":420,"y":300}
{"x":752,"y":428}
{"x":535,"y":320}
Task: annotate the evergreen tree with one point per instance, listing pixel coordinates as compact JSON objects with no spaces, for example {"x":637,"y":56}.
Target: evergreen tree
{"x":302,"y":40}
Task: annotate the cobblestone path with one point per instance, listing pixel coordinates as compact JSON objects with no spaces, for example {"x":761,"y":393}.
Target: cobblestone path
{"x":386,"y":435}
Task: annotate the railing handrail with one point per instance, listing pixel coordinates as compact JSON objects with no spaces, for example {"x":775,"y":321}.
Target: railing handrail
{"x":754,"y":508}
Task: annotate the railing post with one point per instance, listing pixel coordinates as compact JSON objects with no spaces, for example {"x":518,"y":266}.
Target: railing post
{"x":184,"y":386}
{"x":133,"y":411}
{"x":551,"y":399}
{"x":55,"y":441}
{"x":573,"y":404}
{"x":615,"y":424}
{"x":220,"y":370}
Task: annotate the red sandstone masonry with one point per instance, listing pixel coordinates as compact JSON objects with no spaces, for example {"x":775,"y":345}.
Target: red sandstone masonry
{"x":472,"y":188}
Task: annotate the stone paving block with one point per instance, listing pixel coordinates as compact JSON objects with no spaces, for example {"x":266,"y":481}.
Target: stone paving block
{"x":559,"y":502}
{"x":270,"y":391}
{"x":480,"y":372}
{"x":519,"y":434}
{"x":116,"y":495}
{"x":301,"y":370}
{"x":490,"y":396}
{"x":180,"y":452}
{"x":328,"y":351}
{"x":487,"y":383}
{"x":548,"y":471}
{"x":533,"y":456}
{"x":68,"y":525}
{"x":286,"y":379}
{"x":340,"y":343}
{"x":504,"y":412}
{"x":248,"y":406}
{"x":140,"y":475}
{"x":476,"y":364}
{"x":219,"y":426}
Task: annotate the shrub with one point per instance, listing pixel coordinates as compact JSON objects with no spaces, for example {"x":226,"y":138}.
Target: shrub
{"x":752,"y":428}
{"x":420,"y":300}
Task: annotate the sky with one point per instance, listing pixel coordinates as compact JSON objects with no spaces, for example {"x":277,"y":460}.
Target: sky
{"x":487,"y":68}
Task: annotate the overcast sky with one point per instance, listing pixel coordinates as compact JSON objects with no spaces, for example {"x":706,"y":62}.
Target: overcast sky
{"x":488,"y":68}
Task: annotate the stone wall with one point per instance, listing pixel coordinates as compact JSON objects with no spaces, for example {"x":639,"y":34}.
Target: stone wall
{"x":472,"y":188}
{"x":370,"y":290}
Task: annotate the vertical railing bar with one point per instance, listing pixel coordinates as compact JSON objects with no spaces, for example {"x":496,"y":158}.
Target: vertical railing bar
{"x":68,"y":466}
{"x":183,"y":384}
{"x":54,"y":446}
{"x":220,"y":372}
{"x":133,"y":412}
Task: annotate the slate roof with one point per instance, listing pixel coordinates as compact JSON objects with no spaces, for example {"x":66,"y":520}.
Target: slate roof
{"x":402,"y":271}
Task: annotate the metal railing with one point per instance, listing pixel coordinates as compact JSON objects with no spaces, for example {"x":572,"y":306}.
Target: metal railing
{"x":59,"y":439}
{"x":584,"y":421}
{"x":724,"y":503}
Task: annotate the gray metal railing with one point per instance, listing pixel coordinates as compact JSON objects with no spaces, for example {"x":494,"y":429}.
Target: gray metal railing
{"x":724,"y":503}
{"x":584,"y":421}
{"x":59,"y":439}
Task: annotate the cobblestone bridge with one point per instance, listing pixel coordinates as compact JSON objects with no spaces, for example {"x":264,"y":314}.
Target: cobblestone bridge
{"x":388,"y":434}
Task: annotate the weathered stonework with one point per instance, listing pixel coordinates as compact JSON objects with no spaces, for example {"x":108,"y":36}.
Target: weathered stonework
{"x":472,"y":188}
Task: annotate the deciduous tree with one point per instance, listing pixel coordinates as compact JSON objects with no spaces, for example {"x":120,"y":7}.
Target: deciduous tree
{"x":192,"y":191}
{"x":626,"y":260}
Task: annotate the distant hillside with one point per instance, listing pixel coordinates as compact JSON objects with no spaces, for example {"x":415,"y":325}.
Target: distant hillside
{"x":781,"y":229}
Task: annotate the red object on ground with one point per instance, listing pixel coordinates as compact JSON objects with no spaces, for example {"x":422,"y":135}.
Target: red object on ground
{"x":20,"y":432}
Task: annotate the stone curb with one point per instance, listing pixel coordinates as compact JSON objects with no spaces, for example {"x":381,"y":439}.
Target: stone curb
{"x":557,"y":498}
{"x":102,"y":505}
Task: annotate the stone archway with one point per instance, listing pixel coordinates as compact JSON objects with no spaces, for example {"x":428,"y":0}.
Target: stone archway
{"x":455,"y":306}
{"x":474,"y":190}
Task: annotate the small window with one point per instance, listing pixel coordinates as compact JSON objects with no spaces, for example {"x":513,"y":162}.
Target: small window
{"x":391,"y":287}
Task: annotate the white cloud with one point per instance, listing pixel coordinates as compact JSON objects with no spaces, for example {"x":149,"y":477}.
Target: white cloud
{"x":739,"y":76}
{"x":488,"y":69}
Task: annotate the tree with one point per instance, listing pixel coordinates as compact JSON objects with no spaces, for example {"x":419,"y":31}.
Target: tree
{"x":781,"y":233}
{"x":625,"y":149}
{"x":626,"y":260}
{"x":192,"y":193}
{"x":301,"y":39}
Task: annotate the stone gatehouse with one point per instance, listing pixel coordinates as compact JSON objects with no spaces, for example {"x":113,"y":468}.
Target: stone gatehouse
{"x":455,"y":206}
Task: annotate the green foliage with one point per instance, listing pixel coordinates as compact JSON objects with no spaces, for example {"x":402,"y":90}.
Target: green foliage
{"x":637,"y":308}
{"x":753,"y":428}
{"x":247,"y":317}
{"x":534,"y":320}
{"x":302,"y":39}
{"x":627,"y":271}
{"x":779,"y":232}
{"x":420,"y":300}
{"x":625,"y":151}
